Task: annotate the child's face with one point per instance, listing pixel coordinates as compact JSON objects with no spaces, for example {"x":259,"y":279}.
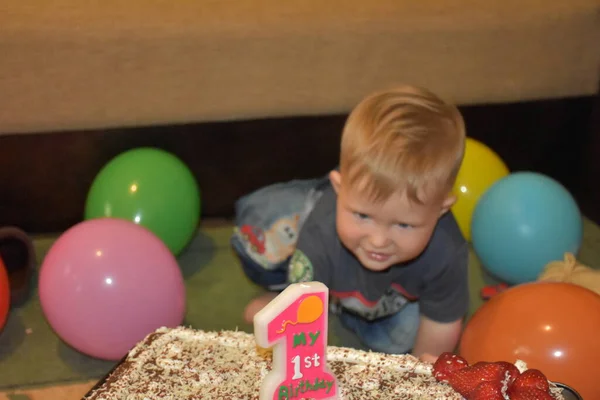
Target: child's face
{"x":383,"y":234}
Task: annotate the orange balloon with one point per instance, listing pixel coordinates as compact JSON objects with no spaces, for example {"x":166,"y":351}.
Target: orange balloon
{"x":310,"y":309}
{"x":4,"y":295}
{"x":553,"y":327}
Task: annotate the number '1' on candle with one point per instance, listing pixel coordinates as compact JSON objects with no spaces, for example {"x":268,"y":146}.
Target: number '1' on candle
{"x":295,"y":324}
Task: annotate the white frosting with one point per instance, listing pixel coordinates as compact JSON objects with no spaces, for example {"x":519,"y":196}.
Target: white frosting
{"x":184,"y":363}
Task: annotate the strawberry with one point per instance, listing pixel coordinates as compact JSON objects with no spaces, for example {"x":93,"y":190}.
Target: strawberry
{"x":487,"y":391}
{"x":510,"y":371}
{"x":446,"y":365}
{"x":529,"y":393}
{"x":531,"y":378}
{"x":466,"y":380}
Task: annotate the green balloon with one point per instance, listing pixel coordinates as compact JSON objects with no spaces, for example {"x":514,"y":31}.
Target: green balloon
{"x":152,"y":188}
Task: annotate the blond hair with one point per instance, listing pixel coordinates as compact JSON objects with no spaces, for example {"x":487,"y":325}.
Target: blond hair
{"x":402,"y":139}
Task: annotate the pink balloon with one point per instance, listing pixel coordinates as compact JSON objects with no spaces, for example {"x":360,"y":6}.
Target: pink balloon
{"x":107,"y":283}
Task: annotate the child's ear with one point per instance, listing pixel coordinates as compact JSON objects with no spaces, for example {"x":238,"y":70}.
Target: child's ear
{"x":447,"y":203}
{"x":336,"y":180}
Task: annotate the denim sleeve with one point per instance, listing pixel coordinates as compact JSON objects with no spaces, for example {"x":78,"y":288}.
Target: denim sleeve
{"x":445,"y":298}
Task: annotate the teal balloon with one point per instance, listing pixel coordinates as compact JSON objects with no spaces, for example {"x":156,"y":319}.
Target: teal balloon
{"x":521,"y":223}
{"x":151,"y":188}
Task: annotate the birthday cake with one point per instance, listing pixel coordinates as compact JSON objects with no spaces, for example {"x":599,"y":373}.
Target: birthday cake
{"x":183,"y":363}
{"x":288,"y":358}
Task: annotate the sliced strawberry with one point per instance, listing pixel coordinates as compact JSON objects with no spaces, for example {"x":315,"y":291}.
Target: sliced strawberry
{"x":446,"y":365}
{"x":531,"y":378}
{"x":529,"y":393}
{"x":487,"y":391}
{"x":467,"y":379}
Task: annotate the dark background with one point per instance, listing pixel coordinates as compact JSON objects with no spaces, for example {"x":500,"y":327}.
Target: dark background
{"x":44,"y":178}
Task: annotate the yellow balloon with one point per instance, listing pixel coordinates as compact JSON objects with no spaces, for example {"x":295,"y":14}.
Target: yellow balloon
{"x":480,"y":169}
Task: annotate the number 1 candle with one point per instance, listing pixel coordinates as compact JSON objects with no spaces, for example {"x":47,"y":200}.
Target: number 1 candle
{"x":295,"y":324}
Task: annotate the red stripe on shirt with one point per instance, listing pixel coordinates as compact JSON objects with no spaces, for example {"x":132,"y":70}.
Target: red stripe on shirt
{"x":358,"y":295}
{"x":400,"y":289}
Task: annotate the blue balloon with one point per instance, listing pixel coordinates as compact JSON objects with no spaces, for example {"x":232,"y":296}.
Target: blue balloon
{"x":521,"y":223}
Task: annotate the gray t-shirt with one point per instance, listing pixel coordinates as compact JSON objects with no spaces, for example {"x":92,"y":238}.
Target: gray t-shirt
{"x":437,"y":279}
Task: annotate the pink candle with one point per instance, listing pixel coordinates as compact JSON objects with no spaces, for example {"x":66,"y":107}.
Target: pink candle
{"x":295,"y":323}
